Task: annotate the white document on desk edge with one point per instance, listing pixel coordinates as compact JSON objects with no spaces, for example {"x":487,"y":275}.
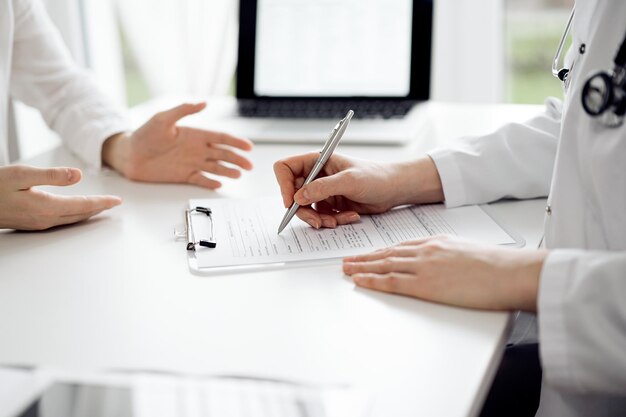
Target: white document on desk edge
{"x":246,"y":232}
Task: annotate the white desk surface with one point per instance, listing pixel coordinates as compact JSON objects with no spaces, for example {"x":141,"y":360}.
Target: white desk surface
{"x":116,"y":292}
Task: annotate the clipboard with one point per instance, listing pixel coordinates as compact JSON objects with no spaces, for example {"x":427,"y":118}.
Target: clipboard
{"x":241,"y":229}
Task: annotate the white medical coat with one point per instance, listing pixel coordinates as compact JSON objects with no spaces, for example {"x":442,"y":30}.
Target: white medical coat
{"x":582,"y":166}
{"x":36,"y":68}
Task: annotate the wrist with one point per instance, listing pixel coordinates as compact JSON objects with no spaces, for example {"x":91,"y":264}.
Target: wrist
{"x":418,"y":182}
{"x":525,"y":279}
{"x":115,"y":152}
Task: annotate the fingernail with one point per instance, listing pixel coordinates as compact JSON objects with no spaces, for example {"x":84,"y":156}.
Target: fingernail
{"x":305,"y":196}
{"x":116,"y":201}
{"x":330,"y":223}
{"x":353,"y":217}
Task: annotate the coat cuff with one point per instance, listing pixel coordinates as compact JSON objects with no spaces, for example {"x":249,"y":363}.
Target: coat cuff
{"x":451,"y":177}
{"x":554,"y":347}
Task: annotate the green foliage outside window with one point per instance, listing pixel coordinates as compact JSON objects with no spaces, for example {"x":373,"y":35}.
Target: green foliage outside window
{"x":532,"y":39}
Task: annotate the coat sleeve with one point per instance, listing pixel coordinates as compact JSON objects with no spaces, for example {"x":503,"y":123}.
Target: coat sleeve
{"x":582,"y":321}
{"x":516,"y":161}
{"x":44,"y":76}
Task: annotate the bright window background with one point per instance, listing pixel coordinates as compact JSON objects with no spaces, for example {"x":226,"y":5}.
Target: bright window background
{"x":533,"y":31}
{"x":137,"y":90}
{"x":459,"y":26}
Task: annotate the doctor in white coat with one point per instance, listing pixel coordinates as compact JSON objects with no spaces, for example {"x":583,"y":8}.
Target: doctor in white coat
{"x":36,"y":68}
{"x":576,"y":284}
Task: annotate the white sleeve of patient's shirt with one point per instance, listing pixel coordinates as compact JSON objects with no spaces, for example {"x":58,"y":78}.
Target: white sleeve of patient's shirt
{"x":516,"y":161}
{"x":44,"y":76}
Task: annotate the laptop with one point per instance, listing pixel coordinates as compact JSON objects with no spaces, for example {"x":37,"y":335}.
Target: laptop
{"x":303,"y":64}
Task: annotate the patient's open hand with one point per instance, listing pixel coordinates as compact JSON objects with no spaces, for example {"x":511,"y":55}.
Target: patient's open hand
{"x":25,"y":208}
{"x":161,"y":151}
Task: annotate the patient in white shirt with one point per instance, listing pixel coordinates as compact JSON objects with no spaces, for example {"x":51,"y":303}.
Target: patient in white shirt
{"x":36,"y":69}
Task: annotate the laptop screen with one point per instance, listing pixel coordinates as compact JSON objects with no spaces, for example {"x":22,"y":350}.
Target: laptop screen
{"x":328,"y":48}
{"x":334,"y":49}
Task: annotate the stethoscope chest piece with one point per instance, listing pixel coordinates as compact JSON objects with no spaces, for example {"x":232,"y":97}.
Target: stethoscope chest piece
{"x":604,"y":97}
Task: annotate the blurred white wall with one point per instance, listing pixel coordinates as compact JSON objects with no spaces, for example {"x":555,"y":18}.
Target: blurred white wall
{"x":468,"y":51}
{"x":182,"y":47}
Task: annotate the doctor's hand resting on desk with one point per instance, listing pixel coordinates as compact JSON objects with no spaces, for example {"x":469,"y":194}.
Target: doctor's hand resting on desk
{"x":441,"y":269}
{"x":159,"y":151}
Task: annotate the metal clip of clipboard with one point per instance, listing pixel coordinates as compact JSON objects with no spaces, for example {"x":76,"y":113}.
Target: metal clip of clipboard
{"x":192,"y":243}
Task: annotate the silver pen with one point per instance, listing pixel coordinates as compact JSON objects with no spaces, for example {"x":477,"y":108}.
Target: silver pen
{"x":329,"y":147}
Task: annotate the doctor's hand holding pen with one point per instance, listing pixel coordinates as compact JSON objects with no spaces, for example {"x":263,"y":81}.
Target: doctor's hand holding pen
{"x":442,"y":269}
{"x":159,"y":151}
{"x":347,"y":187}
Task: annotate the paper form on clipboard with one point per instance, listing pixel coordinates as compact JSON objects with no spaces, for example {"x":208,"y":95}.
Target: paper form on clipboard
{"x":245,"y":233}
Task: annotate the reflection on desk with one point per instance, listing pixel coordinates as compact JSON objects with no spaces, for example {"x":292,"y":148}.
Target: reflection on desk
{"x":140,"y":394}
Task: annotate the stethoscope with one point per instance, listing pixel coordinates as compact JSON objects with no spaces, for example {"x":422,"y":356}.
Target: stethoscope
{"x":604,"y":93}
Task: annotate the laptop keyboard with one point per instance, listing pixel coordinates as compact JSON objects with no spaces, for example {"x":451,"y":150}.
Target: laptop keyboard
{"x":325,"y":109}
